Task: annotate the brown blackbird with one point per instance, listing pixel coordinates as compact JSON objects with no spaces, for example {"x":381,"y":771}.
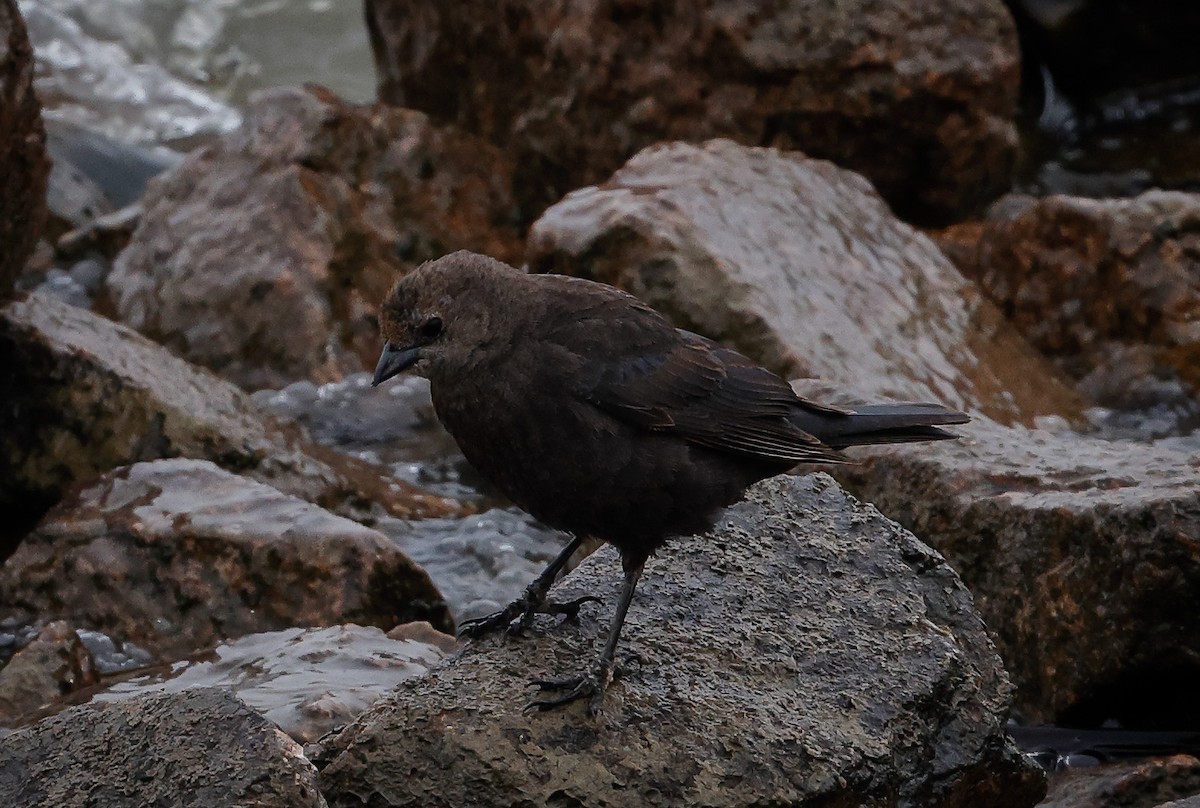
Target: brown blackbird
{"x":592,"y":412}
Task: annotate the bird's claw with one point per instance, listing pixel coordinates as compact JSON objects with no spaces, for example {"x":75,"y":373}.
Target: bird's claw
{"x":482,"y":626}
{"x":518,"y":616}
{"x":590,"y":685}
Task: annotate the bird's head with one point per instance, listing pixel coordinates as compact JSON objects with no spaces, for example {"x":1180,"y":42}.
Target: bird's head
{"x":438,"y":316}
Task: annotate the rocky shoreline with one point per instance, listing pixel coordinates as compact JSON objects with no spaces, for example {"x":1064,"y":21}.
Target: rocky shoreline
{"x":218,"y":538}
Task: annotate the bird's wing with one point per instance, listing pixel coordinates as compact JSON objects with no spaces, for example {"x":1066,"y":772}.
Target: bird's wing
{"x":705,"y":393}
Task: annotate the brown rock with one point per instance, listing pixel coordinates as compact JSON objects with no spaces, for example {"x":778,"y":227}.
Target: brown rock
{"x":22,"y":150}
{"x":800,"y":265}
{"x":198,"y":749}
{"x":1128,"y":784}
{"x":265,"y":254}
{"x":1102,"y":286}
{"x":420,"y":631}
{"x":84,"y":395}
{"x":177,"y":555}
{"x":806,"y":651}
{"x":920,"y":98}
{"x":1083,"y":555}
{"x":54,"y":664}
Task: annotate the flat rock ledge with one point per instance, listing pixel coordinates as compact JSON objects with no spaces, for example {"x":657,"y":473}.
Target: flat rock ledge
{"x":807,"y":651}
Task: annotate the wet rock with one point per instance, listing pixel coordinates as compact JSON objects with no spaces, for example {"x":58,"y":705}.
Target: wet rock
{"x":178,"y":555}
{"x":265,"y":254}
{"x":105,"y":235}
{"x":480,"y":562}
{"x":119,"y":170}
{"x":199,"y":748}
{"x":1110,"y":289}
{"x":84,"y":395}
{"x":22,"y":149}
{"x":421,"y":631}
{"x":1156,"y":783}
{"x":1057,"y":748}
{"x":86,"y":78}
{"x":94,"y":176}
{"x":919,"y":99}
{"x":54,"y":664}
{"x":800,"y":265}
{"x":306,"y":681}
{"x":1082,"y":556}
{"x":808,"y":650}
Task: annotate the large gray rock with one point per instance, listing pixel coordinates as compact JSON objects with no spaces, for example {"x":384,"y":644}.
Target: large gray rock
{"x":919,"y":97}
{"x":202,"y":748}
{"x":265,"y":254}
{"x":800,"y":265}
{"x":1082,"y":554}
{"x":806,"y":651}
{"x":22,"y":149}
{"x":84,"y":395}
{"x":178,"y":555}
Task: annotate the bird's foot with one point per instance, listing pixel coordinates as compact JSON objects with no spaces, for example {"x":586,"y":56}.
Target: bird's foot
{"x":518,"y":615}
{"x":590,"y":685}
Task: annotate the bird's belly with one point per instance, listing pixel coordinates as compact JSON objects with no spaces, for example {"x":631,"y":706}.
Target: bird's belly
{"x":577,"y":469}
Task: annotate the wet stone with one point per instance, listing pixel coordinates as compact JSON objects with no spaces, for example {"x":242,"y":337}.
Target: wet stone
{"x":807,"y":650}
{"x":264,"y":255}
{"x":920,"y":98}
{"x":177,"y":555}
{"x":86,"y":395}
{"x":1109,"y":289}
{"x":306,"y":681}
{"x":1154,"y":783}
{"x":201,"y":748}
{"x":1081,"y":554}
{"x":111,"y":656}
{"x":800,"y":265}
{"x":481,"y":562}
{"x":55,"y":664}
{"x":88,"y":80}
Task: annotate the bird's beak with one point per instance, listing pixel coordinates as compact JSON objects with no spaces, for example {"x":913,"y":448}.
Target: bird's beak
{"x":394,"y":360}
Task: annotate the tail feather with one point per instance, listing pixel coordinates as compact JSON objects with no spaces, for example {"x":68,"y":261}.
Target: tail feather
{"x":880,"y":423}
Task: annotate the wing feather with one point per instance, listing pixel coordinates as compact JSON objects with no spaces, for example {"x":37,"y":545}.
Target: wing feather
{"x":710,"y":396}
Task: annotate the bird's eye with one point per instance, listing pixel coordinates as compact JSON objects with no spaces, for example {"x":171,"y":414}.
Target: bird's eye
{"x":431,"y":328}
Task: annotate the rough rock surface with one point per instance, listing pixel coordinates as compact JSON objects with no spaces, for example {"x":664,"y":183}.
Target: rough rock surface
{"x":1110,"y":288}
{"x":22,"y":149}
{"x":807,"y":651}
{"x":202,"y":748}
{"x":265,"y":254}
{"x":177,"y":555}
{"x":84,"y":395}
{"x":918,"y":97}
{"x":54,"y":664}
{"x":800,"y":265}
{"x":1083,"y":555}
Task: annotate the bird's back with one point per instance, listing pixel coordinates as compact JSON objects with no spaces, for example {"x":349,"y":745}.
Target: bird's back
{"x":598,"y":416}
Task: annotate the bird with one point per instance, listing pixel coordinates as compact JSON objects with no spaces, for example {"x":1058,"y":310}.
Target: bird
{"x":592,"y":412}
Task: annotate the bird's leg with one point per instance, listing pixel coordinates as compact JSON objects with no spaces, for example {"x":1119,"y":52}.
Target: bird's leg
{"x":531,"y":602}
{"x":591,"y":685}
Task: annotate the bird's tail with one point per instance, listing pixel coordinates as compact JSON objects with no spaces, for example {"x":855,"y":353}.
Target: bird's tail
{"x":881,"y":423}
